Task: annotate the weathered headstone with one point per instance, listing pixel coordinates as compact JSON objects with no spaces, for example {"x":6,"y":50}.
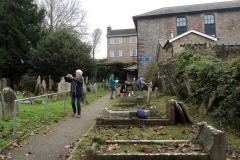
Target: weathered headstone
{"x":44,"y":85}
{"x":28,"y":94}
{"x":163,"y":83}
{"x":179,"y":115}
{"x":173,"y":80}
{"x":175,"y":91}
{"x":95,"y":87}
{"x":8,"y":101}
{"x":186,"y":82}
{"x":86,"y":79}
{"x":0,"y":85}
{"x":149,"y":94}
{"x":156,"y":92}
{"x":160,"y":84}
{"x":38,"y":88}
{"x":61,"y":88}
{"x":4,"y":83}
{"x":134,"y":86}
{"x":8,"y":82}
{"x":170,"y":111}
{"x":50,"y":85}
{"x":84,"y":95}
{"x":186,"y":113}
{"x":202,"y":109}
{"x":212,"y":140}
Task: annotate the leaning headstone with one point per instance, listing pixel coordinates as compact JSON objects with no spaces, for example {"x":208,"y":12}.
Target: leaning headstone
{"x":149,"y":94}
{"x":38,"y":88}
{"x":175,"y":91}
{"x":170,"y":111}
{"x":173,"y":80}
{"x":212,"y":140}
{"x":202,"y":108}
{"x":8,"y":101}
{"x":156,"y":92}
{"x":186,"y":113}
{"x":186,"y":82}
{"x":179,"y":115}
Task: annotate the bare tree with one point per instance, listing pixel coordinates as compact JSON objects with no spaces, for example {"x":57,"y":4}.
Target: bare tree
{"x":96,"y":40}
{"x":64,"y":13}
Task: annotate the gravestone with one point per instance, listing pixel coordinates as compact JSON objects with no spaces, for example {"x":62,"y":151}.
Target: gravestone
{"x":0,"y":85}
{"x":84,"y":95}
{"x":149,"y":94}
{"x":95,"y":88}
{"x":8,"y":82}
{"x":106,"y":84}
{"x":156,"y":92}
{"x":186,"y":82}
{"x":160,"y":84}
{"x":173,"y":80}
{"x":186,"y":113}
{"x":38,"y":88}
{"x":202,"y":108}
{"x":50,"y":86}
{"x":8,"y":101}
{"x":179,"y":115}
{"x":134,"y":86}
{"x":28,"y":94}
{"x":212,"y":140}
{"x":50,"y":97}
{"x":163,"y":84}
{"x":4,"y":83}
{"x":170,"y":111}
{"x":61,"y":87}
{"x":44,"y":85}
{"x":86,"y":79}
{"x":175,"y":91}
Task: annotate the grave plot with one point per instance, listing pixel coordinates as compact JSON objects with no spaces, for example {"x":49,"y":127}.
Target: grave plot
{"x":176,"y":112}
{"x":143,"y":142}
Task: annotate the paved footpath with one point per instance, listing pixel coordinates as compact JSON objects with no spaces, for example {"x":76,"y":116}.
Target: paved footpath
{"x":51,"y":146}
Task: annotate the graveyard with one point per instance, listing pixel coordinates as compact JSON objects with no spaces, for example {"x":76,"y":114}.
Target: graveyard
{"x":119,"y":134}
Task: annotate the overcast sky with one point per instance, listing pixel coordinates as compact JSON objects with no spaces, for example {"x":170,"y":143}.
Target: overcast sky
{"x":118,"y":14}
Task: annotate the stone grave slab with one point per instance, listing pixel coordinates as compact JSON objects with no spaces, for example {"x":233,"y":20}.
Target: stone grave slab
{"x":213,"y":140}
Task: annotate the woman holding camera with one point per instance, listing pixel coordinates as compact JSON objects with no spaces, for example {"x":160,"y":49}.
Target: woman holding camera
{"x":76,"y":90}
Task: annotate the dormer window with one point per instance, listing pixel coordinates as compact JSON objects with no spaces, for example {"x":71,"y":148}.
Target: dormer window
{"x":181,"y":25}
{"x":209,"y":25}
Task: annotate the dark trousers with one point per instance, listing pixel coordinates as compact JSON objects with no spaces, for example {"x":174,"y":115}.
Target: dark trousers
{"x":78,"y":104}
{"x":113,"y":89}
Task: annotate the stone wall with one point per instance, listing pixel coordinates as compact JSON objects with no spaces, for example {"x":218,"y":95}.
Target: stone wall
{"x":150,"y":30}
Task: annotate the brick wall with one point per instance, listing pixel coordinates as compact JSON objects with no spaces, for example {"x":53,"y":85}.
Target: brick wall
{"x":152,"y":29}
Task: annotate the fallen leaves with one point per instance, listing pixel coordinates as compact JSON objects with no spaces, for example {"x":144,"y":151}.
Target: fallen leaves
{"x":113,"y":147}
{"x":85,"y":135}
{"x":27,"y":154}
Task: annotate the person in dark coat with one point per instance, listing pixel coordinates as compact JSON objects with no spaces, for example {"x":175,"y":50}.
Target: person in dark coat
{"x":76,"y":90}
{"x":124,"y":87}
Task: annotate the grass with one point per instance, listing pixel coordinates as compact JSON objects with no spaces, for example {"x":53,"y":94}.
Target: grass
{"x":176,"y":132}
{"x":31,"y":117}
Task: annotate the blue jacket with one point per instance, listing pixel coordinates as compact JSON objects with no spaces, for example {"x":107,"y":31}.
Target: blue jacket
{"x":112,"y":82}
{"x":79,"y":83}
{"x":139,"y":81}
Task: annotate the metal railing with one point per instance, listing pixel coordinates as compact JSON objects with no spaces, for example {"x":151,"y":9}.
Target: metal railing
{"x":101,"y":86}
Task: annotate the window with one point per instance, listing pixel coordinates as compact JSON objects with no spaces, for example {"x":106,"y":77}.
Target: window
{"x":116,"y":53}
{"x":116,"y":40}
{"x":133,"y":39}
{"x":209,"y":25}
{"x":181,"y":25}
{"x":133,"y":52}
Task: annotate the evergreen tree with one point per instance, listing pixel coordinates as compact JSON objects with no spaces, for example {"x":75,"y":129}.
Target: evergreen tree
{"x":61,"y":53}
{"x":20,"y":26}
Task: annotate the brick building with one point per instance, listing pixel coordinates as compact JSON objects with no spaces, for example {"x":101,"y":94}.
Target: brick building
{"x":169,"y":29}
{"x":121,"y":45}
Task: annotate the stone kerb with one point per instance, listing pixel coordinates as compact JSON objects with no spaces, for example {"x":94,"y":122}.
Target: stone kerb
{"x":212,"y":140}
{"x":106,"y":112}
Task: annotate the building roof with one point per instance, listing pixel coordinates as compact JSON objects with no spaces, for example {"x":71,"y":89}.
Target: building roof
{"x":122,"y":32}
{"x":133,"y":67}
{"x":229,"y":41}
{"x":195,"y":8}
{"x":188,"y":32}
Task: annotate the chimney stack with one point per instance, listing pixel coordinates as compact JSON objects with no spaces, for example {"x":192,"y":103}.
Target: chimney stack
{"x":109,"y":28}
{"x":171,"y":34}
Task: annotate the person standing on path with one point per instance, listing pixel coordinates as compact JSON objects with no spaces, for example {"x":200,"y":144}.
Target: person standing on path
{"x":139,"y":83}
{"x":76,"y":90}
{"x":112,"y":83}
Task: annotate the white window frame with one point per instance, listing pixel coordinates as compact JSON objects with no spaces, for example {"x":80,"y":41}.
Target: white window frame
{"x":131,"y":54}
{"x":112,"y":40}
{"x":112,"y":53}
{"x":131,"y":39}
